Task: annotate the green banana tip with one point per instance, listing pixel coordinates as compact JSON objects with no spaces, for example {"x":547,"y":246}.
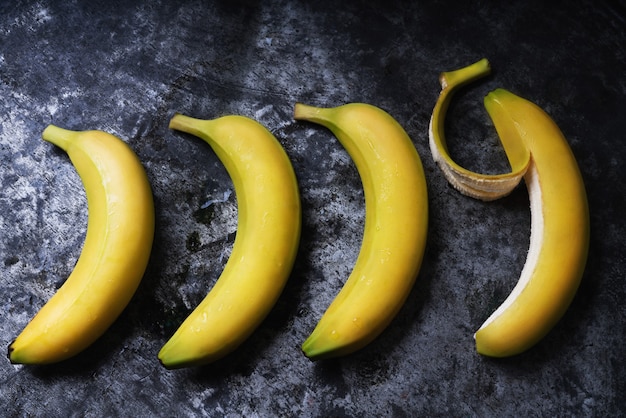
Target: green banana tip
{"x":316,"y":348}
{"x":312,"y":355}
{"x":165,"y":364}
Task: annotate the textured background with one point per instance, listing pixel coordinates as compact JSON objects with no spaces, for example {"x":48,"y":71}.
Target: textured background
{"x":126,"y":66}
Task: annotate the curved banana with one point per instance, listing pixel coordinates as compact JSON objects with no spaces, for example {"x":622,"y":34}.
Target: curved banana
{"x":396,"y":222}
{"x":559,"y":238}
{"x":115,"y":253}
{"x":265,"y":247}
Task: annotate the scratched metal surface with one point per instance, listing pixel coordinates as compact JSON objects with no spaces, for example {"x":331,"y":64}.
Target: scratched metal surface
{"x":126,"y":66}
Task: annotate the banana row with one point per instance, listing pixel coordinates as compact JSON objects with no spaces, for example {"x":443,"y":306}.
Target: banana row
{"x":120,"y":231}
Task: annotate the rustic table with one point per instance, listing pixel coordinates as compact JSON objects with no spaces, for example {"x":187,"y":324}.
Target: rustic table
{"x":126,"y":66}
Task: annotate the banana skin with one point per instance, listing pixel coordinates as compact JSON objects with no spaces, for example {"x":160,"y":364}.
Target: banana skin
{"x":559,"y":238}
{"x":115,"y":253}
{"x":395,"y":232}
{"x":265,"y":247}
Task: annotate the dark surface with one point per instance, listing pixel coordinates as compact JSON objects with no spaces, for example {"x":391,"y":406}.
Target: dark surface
{"x":126,"y":66}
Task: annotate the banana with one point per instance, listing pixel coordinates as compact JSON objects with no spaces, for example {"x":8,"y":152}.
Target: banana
{"x":115,"y":252}
{"x":265,"y":247}
{"x":396,"y":222}
{"x":559,"y":237}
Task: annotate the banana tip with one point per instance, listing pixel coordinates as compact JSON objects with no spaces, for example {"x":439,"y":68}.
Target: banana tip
{"x":9,"y":351}
{"x":10,"y":356}
{"x":164,"y":365}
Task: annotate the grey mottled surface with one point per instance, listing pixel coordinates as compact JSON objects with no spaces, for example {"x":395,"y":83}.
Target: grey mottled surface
{"x":126,"y":66}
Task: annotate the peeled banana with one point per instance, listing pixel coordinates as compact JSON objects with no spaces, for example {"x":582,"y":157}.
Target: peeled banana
{"x":266,"y":243}
{"x":115,"y":253}
{"x":396,"y":222}
{"x":559,"y":238}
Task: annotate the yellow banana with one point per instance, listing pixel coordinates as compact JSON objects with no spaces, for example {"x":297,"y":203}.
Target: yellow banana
{"x":559,"y":238}
{"x":115,"y":253}
{"x":269,"y":222}
{"x":396,"y":221}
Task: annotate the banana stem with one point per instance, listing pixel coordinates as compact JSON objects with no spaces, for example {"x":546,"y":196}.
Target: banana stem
{"x":58,"y":136}
{"x":180,"y":122}
{"x":465,"y":75}
{"x":310,"y":113}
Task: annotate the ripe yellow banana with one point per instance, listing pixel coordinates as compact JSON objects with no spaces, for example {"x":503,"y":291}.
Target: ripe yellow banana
{"x":396,"y":222}
{"x":269,"y":221}
{"x":115,"y":253}
{"x":559,"y":238}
